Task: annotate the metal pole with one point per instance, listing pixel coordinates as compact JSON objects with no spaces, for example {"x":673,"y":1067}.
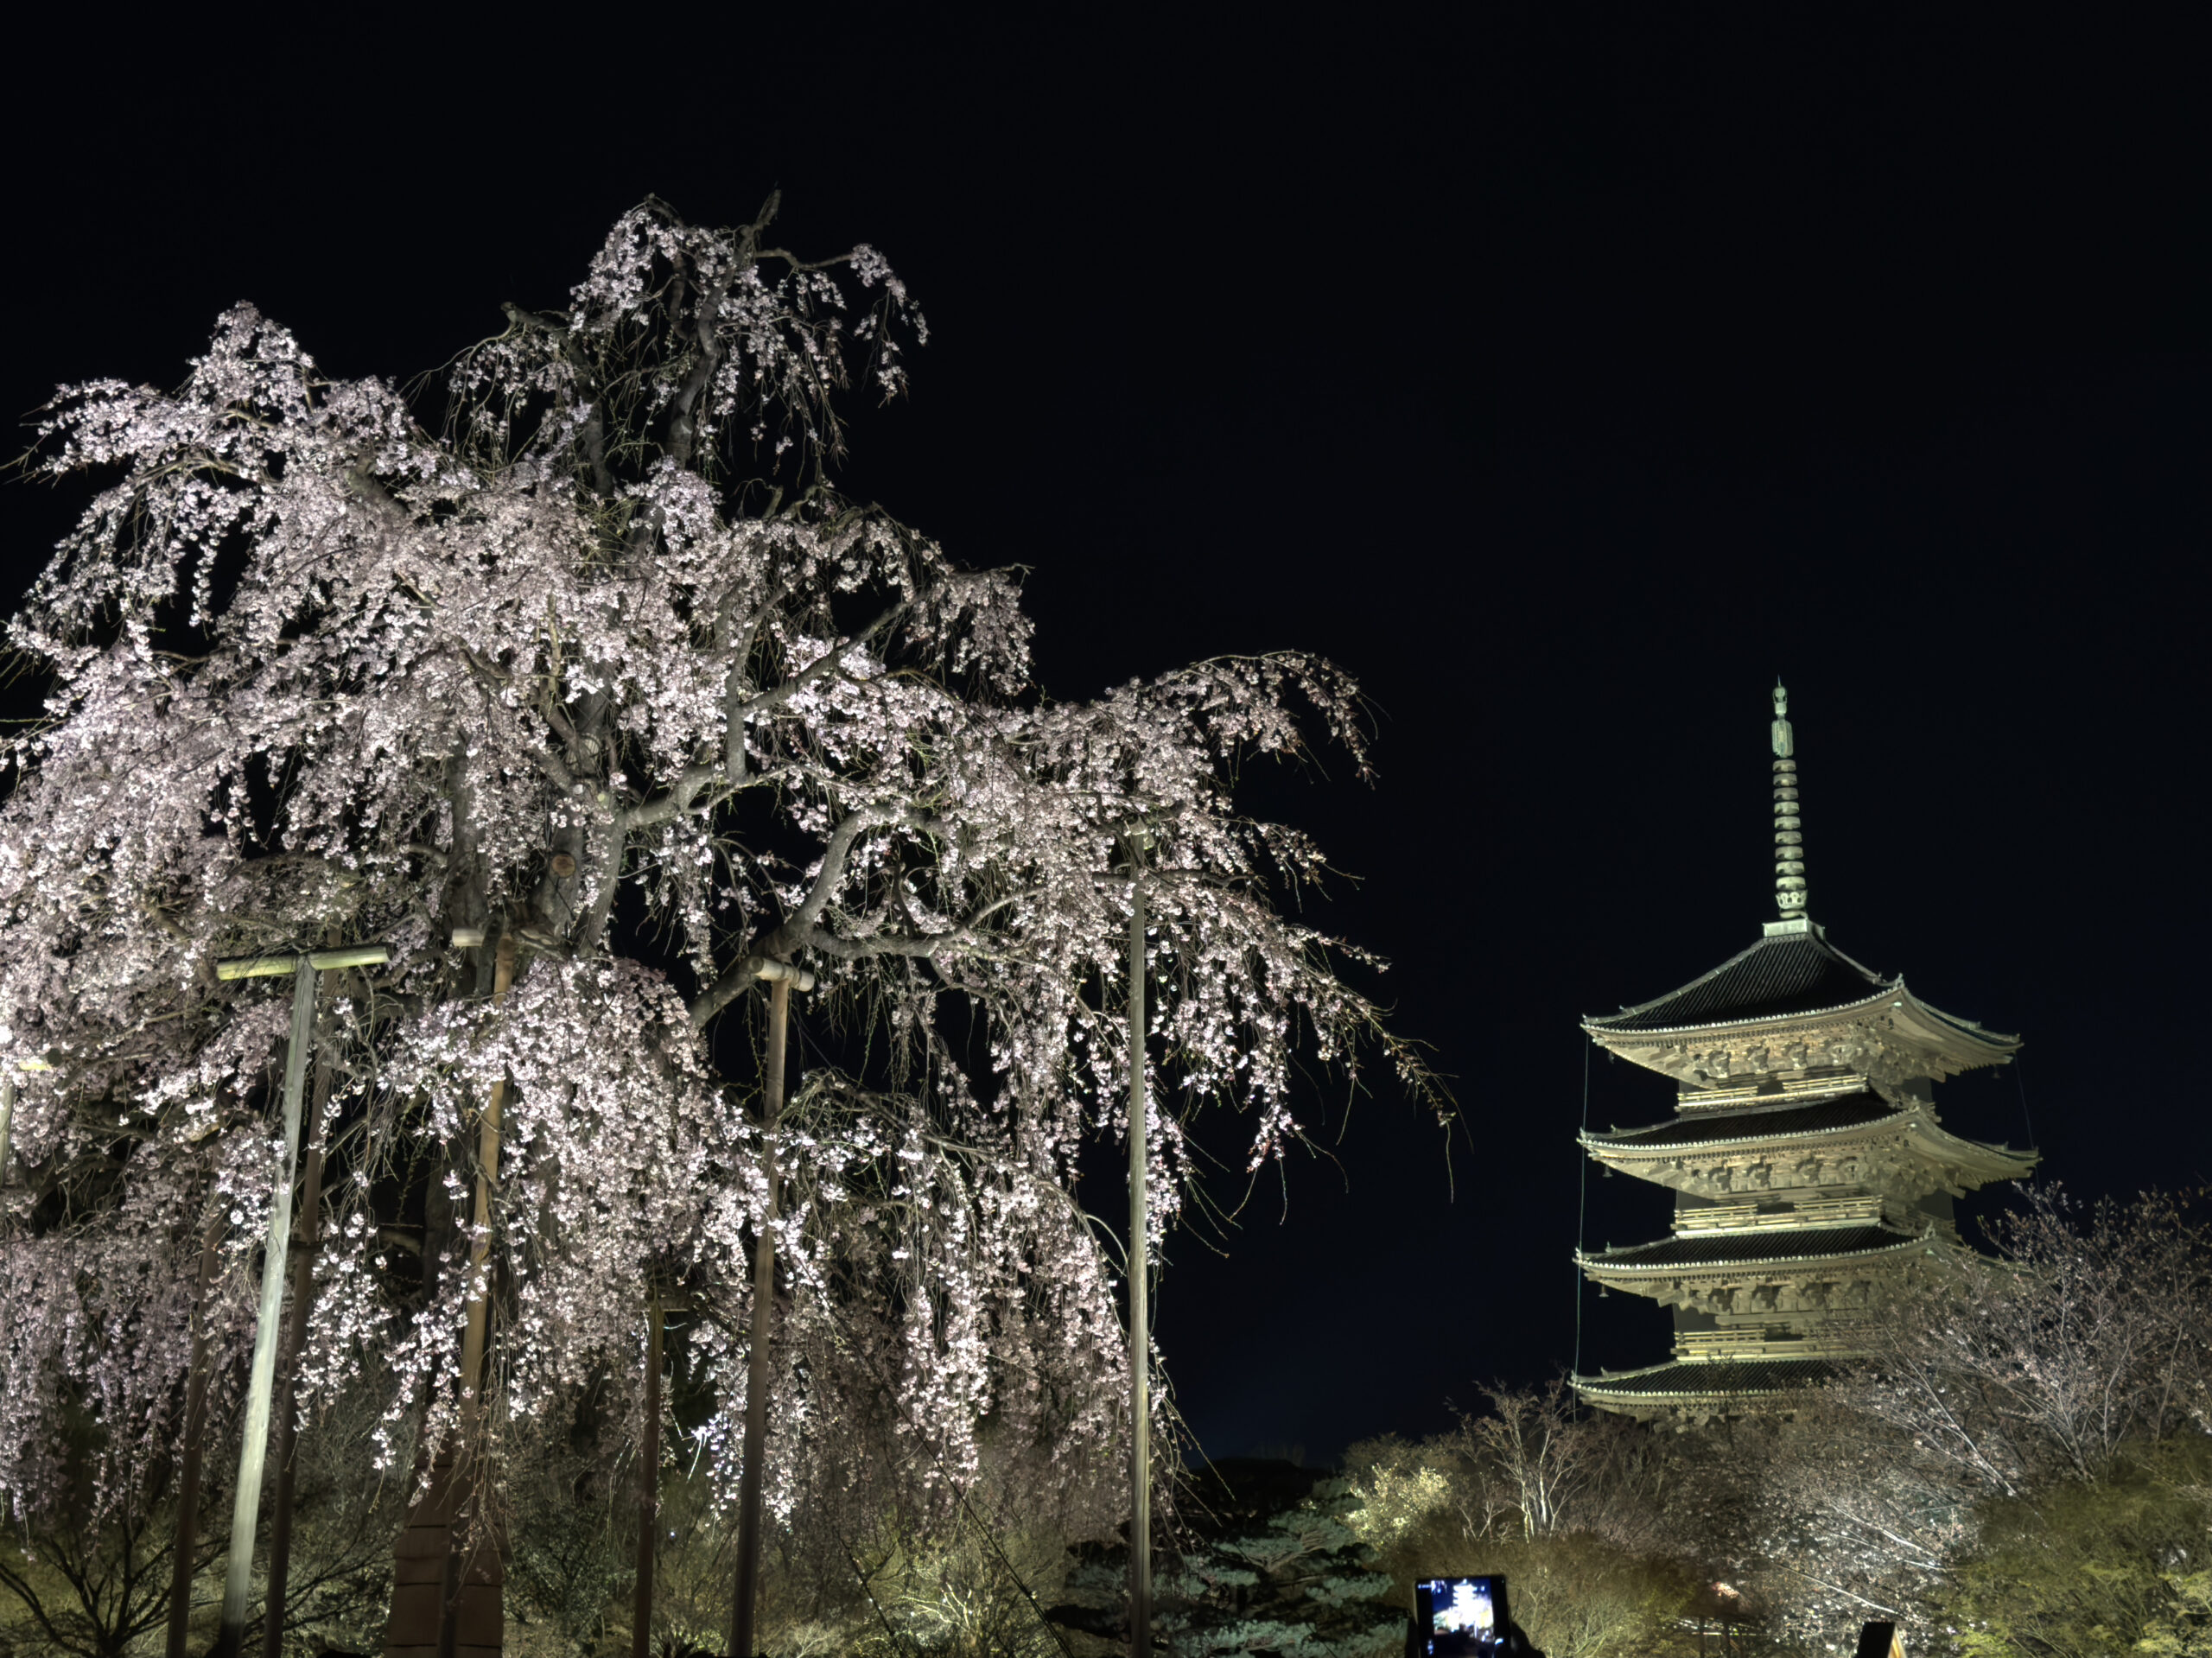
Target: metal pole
{"x":641,"y":1613}
{"x":253,"y":1452}
{"x":1139,"y":1298}
{"x":295,"y":1341}
{"x":745,"y":1604}
{"x":195,"y":1430}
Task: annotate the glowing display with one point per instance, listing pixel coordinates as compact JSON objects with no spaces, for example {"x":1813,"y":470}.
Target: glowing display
{"x":1460,"y":1615}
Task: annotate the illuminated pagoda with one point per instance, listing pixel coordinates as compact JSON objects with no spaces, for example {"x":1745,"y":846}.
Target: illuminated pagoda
{"x":1806,"y":1158}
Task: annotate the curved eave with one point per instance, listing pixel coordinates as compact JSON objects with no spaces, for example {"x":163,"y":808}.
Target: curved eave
{"x":1947,"y":1150}
{"x":1953,"y":1031}
{"x":1893,"y":1032}
{"x":1692,"y":1380}
{"x":1616,"y":1148}
{"x":1970,"y":1157}
{"x":1608,"y":1036}
{"x":1932,"y":1025}
{"x":1602,"y":1266}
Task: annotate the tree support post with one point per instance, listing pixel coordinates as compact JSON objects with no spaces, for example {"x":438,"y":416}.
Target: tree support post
{"x":253,"y":1450}
{"x":641,"y":1613}
{"x":472,"y":1612}
{"x":307,"y":1229}
{"x":745,"y":1603}
{"x":1139,"y":1298}
{"x":8,"y":1105}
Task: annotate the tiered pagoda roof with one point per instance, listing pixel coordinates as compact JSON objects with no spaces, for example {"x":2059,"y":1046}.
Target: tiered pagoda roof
{"x":1793,"y":1001}
{"x":1810,"y":1164}
{"x":1772,"y":1247}
{"x":1701,"y":1386}
{"x":1784,"y":975}
{"x":1853,"y":1137}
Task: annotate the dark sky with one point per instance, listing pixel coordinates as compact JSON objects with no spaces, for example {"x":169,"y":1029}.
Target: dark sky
{"x":1566,"y":376}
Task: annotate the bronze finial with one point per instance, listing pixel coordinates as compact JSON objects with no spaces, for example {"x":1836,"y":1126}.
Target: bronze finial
{"x":1788,"y":827}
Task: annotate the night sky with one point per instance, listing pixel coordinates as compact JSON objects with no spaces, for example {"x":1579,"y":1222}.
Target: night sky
{"x":1567,"y":378}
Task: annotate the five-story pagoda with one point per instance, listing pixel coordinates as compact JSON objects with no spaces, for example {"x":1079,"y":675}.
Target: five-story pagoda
{"x":1807,"y":1162}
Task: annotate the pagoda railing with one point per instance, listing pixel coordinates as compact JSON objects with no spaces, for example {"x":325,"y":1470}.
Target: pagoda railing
{"x":1793,"y":1217}
{"x":1832,"y":1342}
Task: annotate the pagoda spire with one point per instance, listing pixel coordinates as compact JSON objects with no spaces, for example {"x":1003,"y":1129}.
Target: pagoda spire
{"x":1788,"y":826}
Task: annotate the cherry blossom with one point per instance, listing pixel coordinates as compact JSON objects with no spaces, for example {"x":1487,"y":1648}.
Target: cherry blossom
{"x":601,"y":661}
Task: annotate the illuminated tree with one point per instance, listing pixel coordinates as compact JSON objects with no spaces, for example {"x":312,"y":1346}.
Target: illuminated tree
{"x":2008,"y":1403}
{"x":604,"y":666}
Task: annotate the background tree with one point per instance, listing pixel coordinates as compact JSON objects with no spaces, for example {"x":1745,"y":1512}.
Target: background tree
{"x":1584,"y":1513}
{"x":2085,"y":1567}
{"x":96,"y":1584}
{"x":2046,"y":1399}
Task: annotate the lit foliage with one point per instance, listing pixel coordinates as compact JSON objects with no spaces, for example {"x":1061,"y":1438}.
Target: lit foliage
{"x":1587,"y":1516}
{"x":2003,"y":1395}
{"x":1266,"y":1571}
{"x":567,"y":669}
{"x":2093,"y":1567}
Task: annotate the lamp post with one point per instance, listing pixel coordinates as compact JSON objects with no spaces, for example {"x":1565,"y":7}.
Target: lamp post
{"x":253,"y":1452}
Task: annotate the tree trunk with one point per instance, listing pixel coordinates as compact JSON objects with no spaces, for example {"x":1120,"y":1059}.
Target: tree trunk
{"x":195,"y":1432}
{"x":745,"y":1603}
{"x":448,"y":1601}
{"x":641,"y":1614}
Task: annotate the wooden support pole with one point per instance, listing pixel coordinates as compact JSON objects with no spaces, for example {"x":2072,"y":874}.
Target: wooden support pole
{"x":253,"y":1449}
{"x":745,"y":1603}
{"x":1139,"y":1298}
{"x":468,"y":1577}
{"x":307,"y":1229}
{"x":270,"y":967}
{"x":195,"y":1432}
{"x":641,"y":1613}
{"x":488,"y":1178}
{"x":8,"y":1071}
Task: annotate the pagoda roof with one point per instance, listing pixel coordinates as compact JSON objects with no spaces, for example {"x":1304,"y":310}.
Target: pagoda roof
{"x":1793,"y":1003}
{"x":1782,"y":977}
{"x":1755,"y":1122}
{"x":1683,"y":1151}
{"x":1708,"y":1379}
{"x":1761,"y":1247}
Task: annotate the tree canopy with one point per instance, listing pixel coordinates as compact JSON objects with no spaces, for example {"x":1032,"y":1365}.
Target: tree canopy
{"x":599,"y":659}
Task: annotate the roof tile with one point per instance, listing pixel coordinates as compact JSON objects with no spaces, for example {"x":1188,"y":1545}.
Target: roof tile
{"x":1756,"y":1123}
{"x":1710,"y":1377}
{"x":1779,"y":1243}
{"x":1788,"y":974}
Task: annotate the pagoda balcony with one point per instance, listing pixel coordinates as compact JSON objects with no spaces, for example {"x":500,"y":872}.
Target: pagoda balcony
{"x":1832,"y":1341}
{"x":1802,"y":1215}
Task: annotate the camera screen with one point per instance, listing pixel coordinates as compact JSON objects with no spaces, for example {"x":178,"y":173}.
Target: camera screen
{"x":1460,"y":1615}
